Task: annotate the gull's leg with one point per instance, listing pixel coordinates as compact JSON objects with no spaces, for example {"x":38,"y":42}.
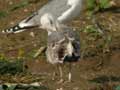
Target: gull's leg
{"x":53,"y":76}
{"x":61,"y":73}
{"x":70,"y":74}
{"x":54,"y":72}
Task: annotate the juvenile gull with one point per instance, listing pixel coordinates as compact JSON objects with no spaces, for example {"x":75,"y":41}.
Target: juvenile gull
{"x":63,"y":44}
{"x":63,"y":11}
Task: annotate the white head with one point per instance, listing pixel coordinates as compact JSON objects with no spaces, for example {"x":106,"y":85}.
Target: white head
{"x":48,"y":22}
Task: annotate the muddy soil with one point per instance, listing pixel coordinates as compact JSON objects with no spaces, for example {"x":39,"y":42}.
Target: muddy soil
{"x":99,"y":67}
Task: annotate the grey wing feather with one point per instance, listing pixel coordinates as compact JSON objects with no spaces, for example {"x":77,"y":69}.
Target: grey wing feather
{"x":55,"y":7}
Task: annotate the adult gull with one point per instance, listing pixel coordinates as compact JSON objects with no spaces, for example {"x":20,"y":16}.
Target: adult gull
{"x":62,"y":10}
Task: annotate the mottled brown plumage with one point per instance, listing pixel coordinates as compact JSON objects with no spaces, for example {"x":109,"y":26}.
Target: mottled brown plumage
{"x":63,"y":43}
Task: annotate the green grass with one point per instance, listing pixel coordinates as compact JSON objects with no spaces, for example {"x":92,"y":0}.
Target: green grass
{"x":104,"y":4}
{"x":91,"y":29}
{"x":3,"y":14}
{"x":94,"y":5}
{"x":22,"y":87}
{"x":11,"y":67}
{"x":22,"y":4}
{"x":91,"y":4}
{"x":117,"y":87}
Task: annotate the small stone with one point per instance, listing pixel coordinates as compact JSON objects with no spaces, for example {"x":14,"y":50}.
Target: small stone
{"x":35,"y":45}
{"x":25,"y":10}
{"x":59,"y":89}
{"x":32,"y":34}
{"x":12,"y":23}
{"x":10,"y":3}
{"x":76,"y":88}
{"x":112,"y":3}
{"x":35,"y":84}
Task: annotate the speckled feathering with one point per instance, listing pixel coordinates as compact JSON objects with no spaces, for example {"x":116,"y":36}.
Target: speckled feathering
{"x":63,"y":46}
{"x":62,"y":10}
{"x":63,"y":43}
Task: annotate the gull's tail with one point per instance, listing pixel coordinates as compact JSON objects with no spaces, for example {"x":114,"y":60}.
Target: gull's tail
{"x":22,"y":26}
{"x":18,"y":28}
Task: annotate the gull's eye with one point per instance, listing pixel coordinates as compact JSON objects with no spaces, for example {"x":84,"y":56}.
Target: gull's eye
{"x":51,"y":22}
{"x":53,"y":45}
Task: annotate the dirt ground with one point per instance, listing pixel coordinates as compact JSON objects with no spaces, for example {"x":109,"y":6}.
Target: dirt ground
{"x":99,"y":67}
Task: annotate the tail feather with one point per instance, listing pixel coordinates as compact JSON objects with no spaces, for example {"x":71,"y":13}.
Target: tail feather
{"x":19,"y":28}
{"x":22,"y":26}
{"x":13,"y":29}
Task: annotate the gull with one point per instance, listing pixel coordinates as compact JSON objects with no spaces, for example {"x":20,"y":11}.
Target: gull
{"x":63,"y":44}
{"x":63,"y":10}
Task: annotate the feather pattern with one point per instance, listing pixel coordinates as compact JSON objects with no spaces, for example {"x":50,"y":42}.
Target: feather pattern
{"x":62,"y":10}
{"x":63,"y":46}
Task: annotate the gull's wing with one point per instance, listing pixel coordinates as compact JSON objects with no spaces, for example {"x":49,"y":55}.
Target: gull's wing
{"x":55,"y":7}
{"x":60,"y":9}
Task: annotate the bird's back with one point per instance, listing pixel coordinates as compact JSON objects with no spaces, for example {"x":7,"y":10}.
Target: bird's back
{"x":58,"y":8}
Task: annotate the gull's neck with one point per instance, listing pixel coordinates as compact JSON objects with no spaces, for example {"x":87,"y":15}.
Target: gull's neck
{"x":73,"y":11}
